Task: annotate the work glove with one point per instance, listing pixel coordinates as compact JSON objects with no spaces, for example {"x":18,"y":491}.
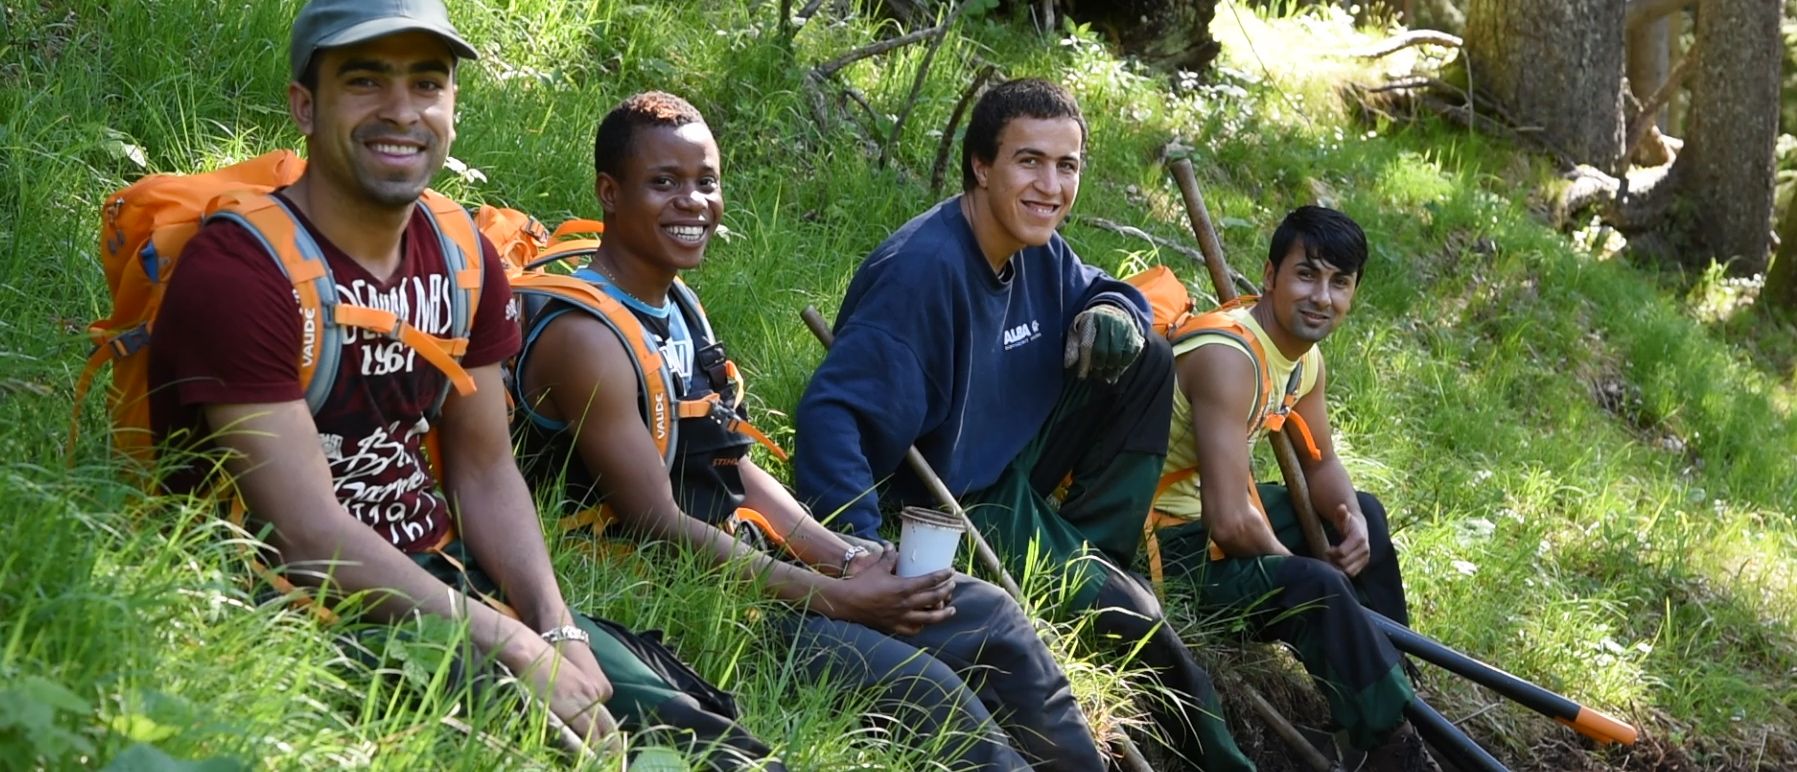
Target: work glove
{"x":1102,"y":342}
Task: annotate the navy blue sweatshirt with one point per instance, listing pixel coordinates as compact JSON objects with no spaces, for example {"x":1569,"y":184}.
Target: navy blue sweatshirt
{"x":934,"y":349}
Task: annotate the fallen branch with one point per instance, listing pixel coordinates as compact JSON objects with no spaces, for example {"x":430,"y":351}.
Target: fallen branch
{"x":875,"y":48}
{"x":940,"y":167}
{"x":1295,"y":741}
{"x":1411,"y":39}
{"x":923,"y":71}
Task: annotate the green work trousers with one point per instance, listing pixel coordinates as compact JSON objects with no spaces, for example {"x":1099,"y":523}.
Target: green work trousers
{"x":1315,"y":608}
{"x":1073,"y":503}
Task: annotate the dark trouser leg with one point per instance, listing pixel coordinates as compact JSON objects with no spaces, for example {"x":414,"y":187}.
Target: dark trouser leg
{"x":1195,"y":726}
{"x":1106,"y":442}
{"x":1314,"y":607}
{"x":920,"y":698}
{"x":642,"y":700}
{"x":1381,"y":582}
{"x":994,"y":647}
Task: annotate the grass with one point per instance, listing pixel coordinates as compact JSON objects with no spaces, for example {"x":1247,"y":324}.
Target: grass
{"x":1588,"y":465}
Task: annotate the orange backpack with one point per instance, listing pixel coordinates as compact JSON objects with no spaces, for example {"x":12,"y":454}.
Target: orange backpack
{"x":144,"y":227}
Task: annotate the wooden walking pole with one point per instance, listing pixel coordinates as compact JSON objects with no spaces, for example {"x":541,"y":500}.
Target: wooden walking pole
{"x":1132,"y":756}
{"x":1438,"y":731}
{"x":1212,"y":249}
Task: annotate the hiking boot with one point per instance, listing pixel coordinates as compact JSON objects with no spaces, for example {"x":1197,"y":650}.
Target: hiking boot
{"x":1402,"y":752}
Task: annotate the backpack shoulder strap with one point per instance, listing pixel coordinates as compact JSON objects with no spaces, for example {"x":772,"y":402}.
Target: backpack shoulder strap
{"x":460,"y":243}
{"x":657,"y":396}
{"x":301,"y":260}
{"x":1219,"y":324}
{"x":728,"y":387}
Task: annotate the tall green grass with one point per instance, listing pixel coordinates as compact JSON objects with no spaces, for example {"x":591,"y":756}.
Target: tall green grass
{"x":1589,"y":485}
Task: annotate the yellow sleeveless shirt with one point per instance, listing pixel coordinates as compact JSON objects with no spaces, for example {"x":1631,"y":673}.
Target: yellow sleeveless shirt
{"x":1181,"y":499}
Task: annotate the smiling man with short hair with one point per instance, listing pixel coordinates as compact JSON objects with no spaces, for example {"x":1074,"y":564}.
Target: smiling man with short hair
{"x":1025,"y":377}
{"x":1252,"y":368}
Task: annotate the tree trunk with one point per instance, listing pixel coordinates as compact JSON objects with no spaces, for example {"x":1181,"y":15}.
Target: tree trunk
{"x":1781,"y":278}
{"x":1647,"y":48}
{"x":1553,"y":64}
{"x":1678,"y":106}
{"x":1726,"y":169}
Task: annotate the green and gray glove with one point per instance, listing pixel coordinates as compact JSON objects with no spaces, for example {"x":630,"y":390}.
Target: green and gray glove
{"x":1102,"y":342}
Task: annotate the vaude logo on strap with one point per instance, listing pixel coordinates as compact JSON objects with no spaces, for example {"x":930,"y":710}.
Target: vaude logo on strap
{"x":1021,"y":334}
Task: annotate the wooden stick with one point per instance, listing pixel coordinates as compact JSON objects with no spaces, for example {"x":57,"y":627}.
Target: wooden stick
{"x":1283,"y":451}
{"x":875,"y":48}
{"x":1411,"y":39}
{"x":1295,"y":741}
{"x":1132,"y":756}
{"x":921,"y":467}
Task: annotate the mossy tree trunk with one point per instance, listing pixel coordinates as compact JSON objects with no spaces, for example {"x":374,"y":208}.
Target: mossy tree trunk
{"x":1556,"y":65}
{"x":1725,"y":172}
{"x":1781,"y":278}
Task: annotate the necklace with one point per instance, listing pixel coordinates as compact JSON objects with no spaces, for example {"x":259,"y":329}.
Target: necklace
{"x":608,"y":273}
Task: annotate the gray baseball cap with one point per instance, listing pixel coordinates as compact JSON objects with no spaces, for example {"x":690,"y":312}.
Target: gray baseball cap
{"x":331,"y":23}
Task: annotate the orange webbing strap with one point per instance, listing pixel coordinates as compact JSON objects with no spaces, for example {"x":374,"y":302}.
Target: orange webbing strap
{"x":598,"y":518}
{"x":712,"y":405}
{"x":761,"y":438}
{"x":1297,"y":422}
{"x":1158,"y":520}
{"x":441,"y":353}
{"x":576,"y":225}
{"x":746,"y":516}
{"x":99,"y":358}
{"x":1152,"y":542}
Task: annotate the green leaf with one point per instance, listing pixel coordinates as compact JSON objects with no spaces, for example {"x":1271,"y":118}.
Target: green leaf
{"x":51,"y":693}
{"x":141,"y":728}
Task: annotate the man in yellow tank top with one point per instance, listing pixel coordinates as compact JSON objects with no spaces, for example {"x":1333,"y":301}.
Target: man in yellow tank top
{"x":1252,"y":368}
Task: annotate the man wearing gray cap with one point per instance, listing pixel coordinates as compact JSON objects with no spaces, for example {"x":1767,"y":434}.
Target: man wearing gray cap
{"x":329,"y":457}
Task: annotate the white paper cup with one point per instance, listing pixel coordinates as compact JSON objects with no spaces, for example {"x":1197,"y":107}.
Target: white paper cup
{"x":927,"y":541}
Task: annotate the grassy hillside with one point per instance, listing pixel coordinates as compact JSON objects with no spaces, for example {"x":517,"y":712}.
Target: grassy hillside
{"x":1590,"y":481}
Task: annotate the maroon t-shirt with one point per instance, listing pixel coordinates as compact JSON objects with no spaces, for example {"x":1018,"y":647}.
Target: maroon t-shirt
{"x":229,"y":333}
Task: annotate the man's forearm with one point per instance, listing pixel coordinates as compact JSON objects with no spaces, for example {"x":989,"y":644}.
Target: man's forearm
{"x":805,"y":538}
{"x":1239,"y":529}
{"x":347,"y":558}
{"x":1331,"y":488}
{"x":500,"y":527}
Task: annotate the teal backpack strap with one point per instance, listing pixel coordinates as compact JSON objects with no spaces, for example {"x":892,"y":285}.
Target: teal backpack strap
{"x":324,"y":330}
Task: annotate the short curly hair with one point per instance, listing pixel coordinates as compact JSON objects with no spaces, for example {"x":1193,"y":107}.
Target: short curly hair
{"x":1021,"y":98}
{"x":611,"y":143}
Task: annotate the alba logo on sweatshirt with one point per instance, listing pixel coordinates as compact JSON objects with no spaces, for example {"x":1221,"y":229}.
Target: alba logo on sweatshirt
{"x":1021,"y":334}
